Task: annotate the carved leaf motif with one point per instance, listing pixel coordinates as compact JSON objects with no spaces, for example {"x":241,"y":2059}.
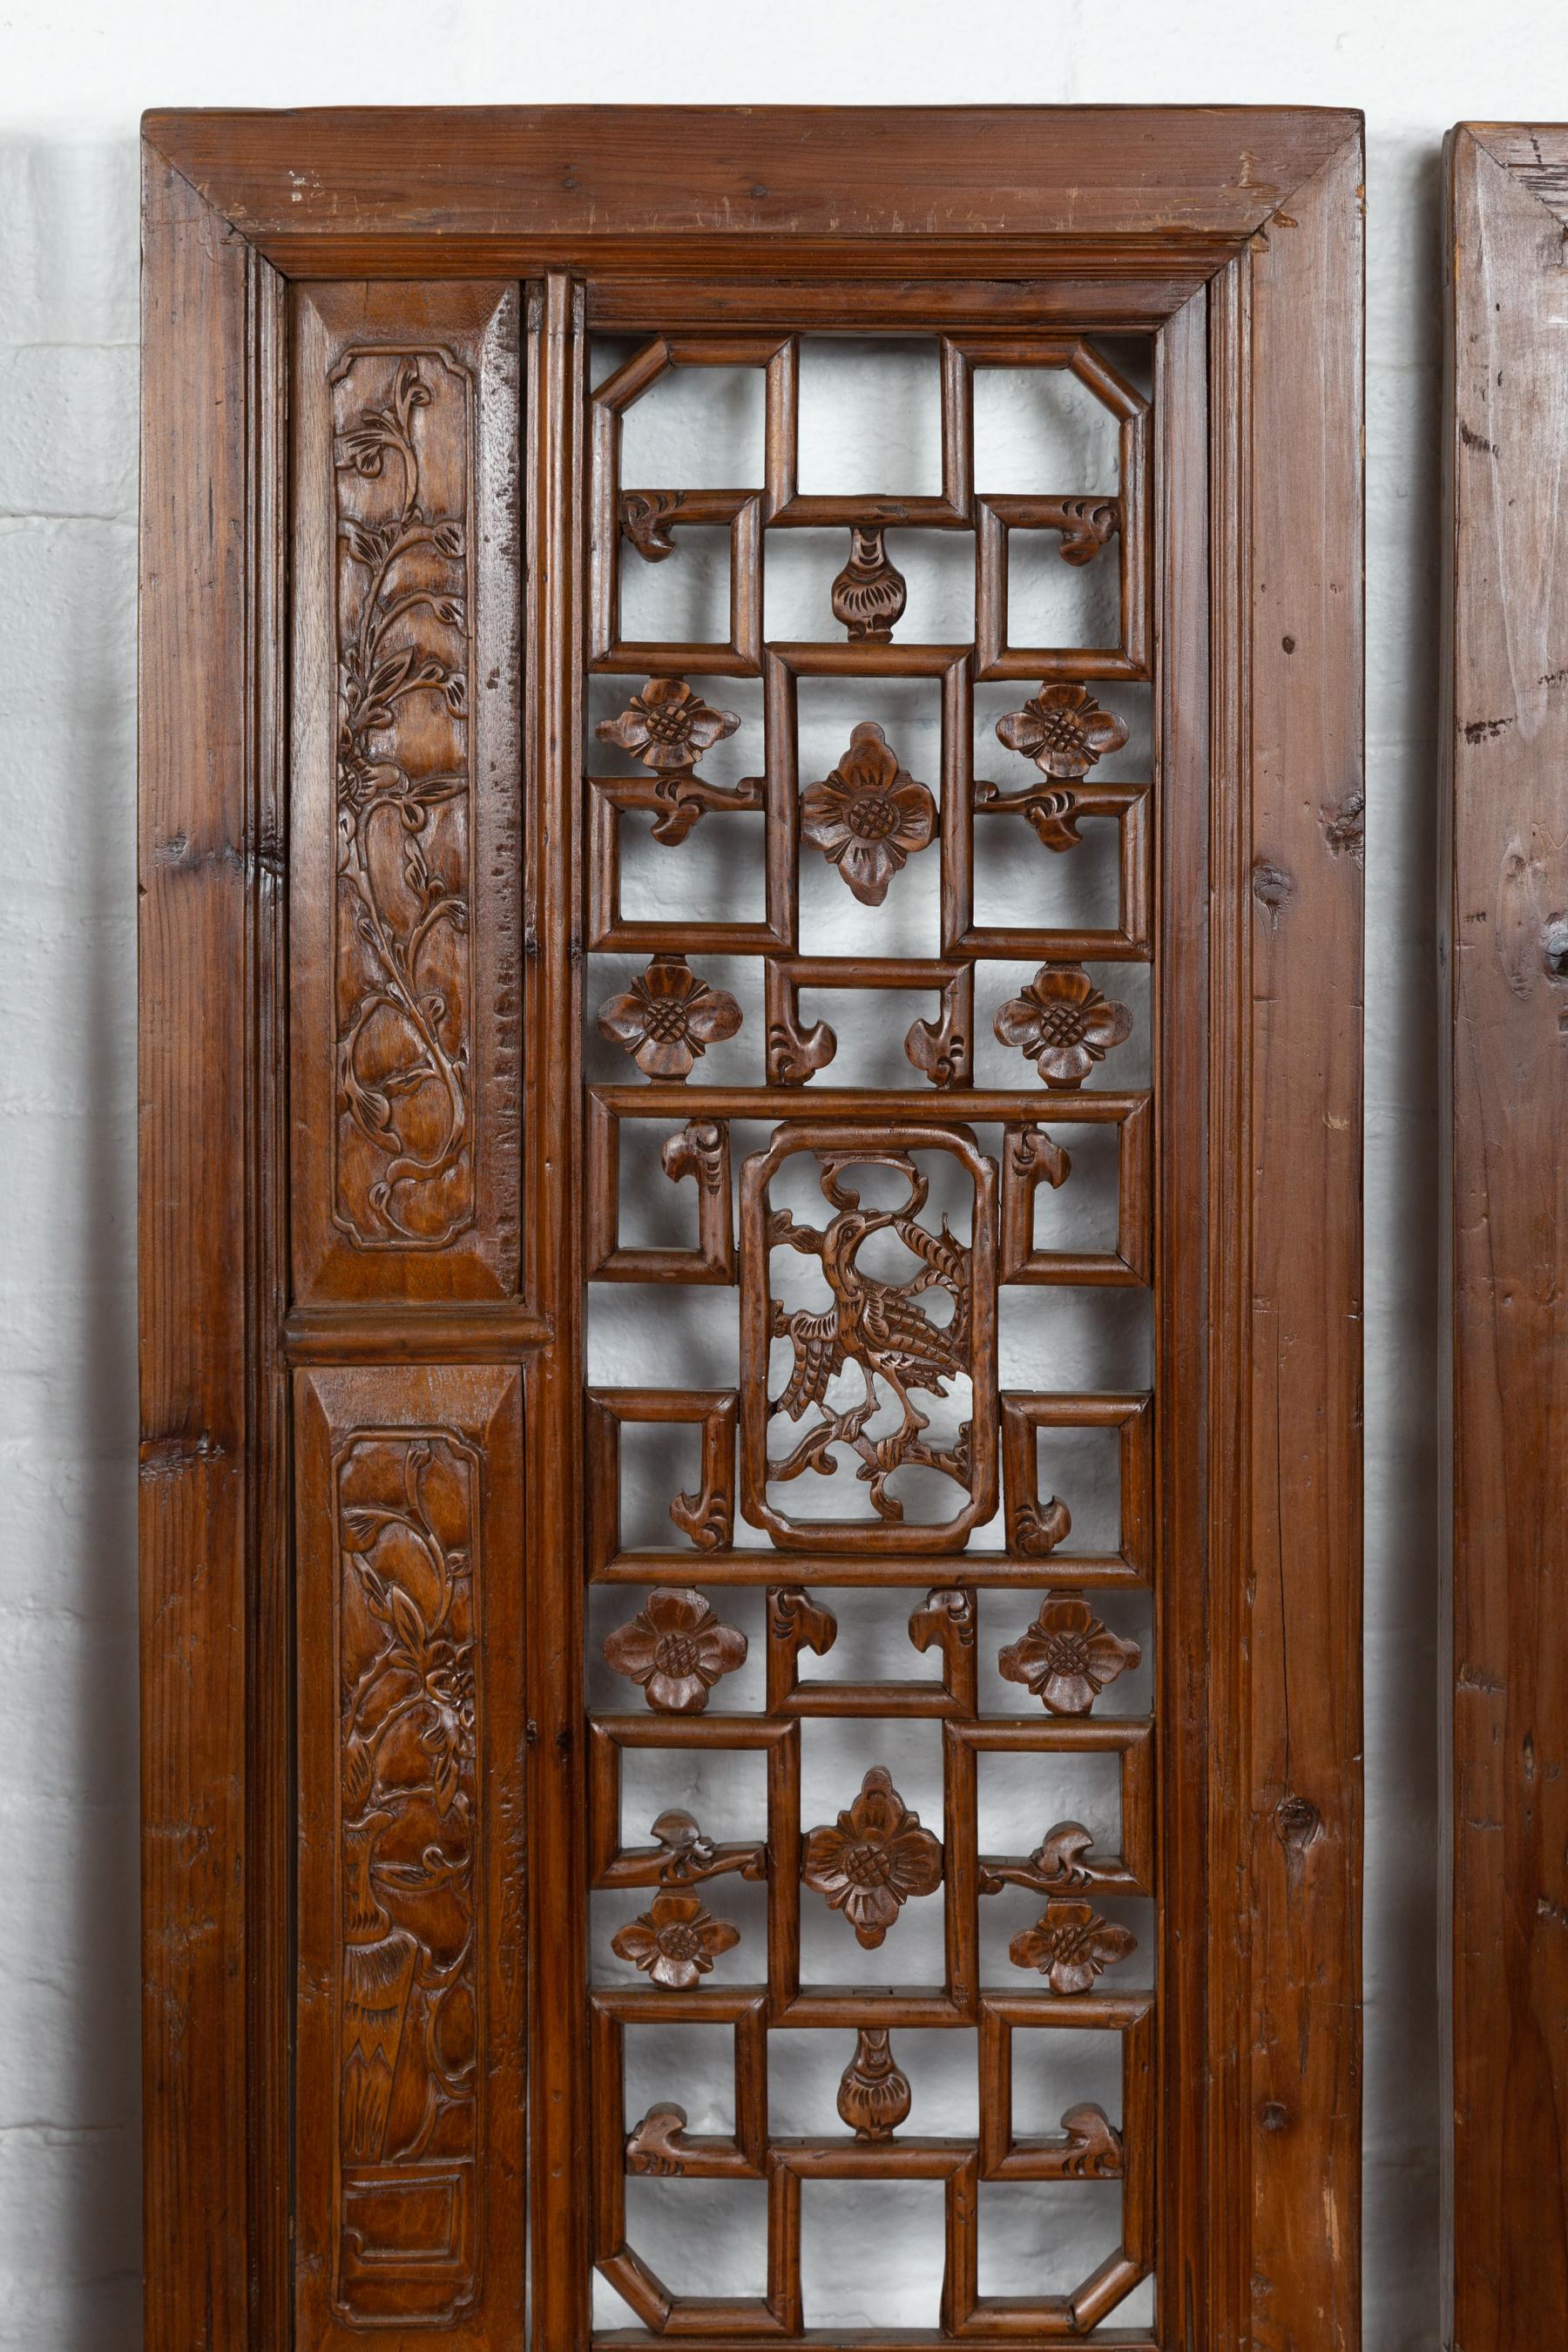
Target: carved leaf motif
{"x":644,"y":520}
{"x":795,"y":1618}
{"x":700,"y":1151}
{"x":688,"y":1850}
{"x":1057,"y":1862}
{"x":1035,"y":1153}
{"x":682,"y":1854}
{"x":1093,"y":2144}
{"x":1060,"y":1854}
{"x":1086,"y":525}
{"x":947,"y":1616}
{"x":1054,"y":816}
{"x":707,"y":1518}
{"x":1037,"y":1529}
{"x":940,"y":1048}
{"x":656,"y":2145}
{"x":795,"y":1055}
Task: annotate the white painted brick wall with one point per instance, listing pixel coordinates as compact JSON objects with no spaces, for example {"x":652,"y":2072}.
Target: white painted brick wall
{"x":73,"y":77}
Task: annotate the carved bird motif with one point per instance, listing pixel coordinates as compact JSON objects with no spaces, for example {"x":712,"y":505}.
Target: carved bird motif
{"x":876,"y":1325}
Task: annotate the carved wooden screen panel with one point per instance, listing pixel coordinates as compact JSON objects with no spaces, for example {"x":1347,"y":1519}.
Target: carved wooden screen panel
{"x":903,"y":1910}
{"x":750,"y":1061}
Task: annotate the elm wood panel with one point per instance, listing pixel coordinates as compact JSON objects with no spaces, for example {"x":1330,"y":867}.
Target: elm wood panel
{"x":559,"y":600}
{"x":405,"y":831}
{"x":1297,"y":1035}
{"x":1506,"y":1213}
{"x":577,"y":179}
{"x":211,"y":1205}
{"x":411,"y":1977}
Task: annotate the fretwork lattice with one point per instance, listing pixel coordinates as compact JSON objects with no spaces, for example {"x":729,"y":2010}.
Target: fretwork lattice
{"x":870,"y":1232}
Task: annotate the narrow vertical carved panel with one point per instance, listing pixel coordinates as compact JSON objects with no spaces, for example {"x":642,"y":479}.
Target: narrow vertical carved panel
{"x":410,"y":2095}
{"x":405,"y":808}
{"x":403,"y":953}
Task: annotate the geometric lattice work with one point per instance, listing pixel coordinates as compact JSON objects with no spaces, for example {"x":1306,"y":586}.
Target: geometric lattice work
{"x":872,"y":1765}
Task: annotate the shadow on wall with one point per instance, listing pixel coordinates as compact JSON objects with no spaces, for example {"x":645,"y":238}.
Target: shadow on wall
{"x":1401,"y":2086}
{"x":69,"y":2058}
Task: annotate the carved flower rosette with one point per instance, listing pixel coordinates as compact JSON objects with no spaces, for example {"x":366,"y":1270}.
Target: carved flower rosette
{"x":1071,"y":1946}
{"x":674,"y":1941}
{"x":1066,"y":1657}
{"x":876,"y":1858}
{"x":1063,"y":1024}
{"x":667,"y":1018}
{"x":870,"y":817}
{"x":676,"y":1649}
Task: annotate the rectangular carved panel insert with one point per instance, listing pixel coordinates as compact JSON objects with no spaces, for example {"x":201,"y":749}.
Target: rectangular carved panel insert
{"x":408,"y":1524}
{"x":407,"y":806}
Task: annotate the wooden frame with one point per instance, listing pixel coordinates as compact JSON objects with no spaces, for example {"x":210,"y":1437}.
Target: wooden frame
{"x":1505,"y":961}
{"x":1234,"y":236}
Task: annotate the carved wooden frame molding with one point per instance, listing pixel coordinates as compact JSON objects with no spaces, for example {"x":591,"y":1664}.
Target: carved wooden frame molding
{"x":1504,"y":953}
{"x":1235,"y":235}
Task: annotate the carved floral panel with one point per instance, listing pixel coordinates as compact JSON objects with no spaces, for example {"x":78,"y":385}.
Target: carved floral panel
{"x":405,"y":794}
{"x":407,"y":1542}
{"x":403,"y":1135}
{"x":407,"y":1531}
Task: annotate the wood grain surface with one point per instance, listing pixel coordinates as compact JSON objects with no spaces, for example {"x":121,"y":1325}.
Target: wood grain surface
{"x":377,"y":1802}
{"x":1504,"y":904}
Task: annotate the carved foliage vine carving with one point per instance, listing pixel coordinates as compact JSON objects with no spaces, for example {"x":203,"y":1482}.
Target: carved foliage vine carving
{"x":403,"y":1139}
{"x":407,"y":1547}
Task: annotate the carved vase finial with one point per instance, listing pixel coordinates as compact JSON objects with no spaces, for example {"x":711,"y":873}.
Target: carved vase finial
{"x":869,"y":594}
{"x":874,"y":2096}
